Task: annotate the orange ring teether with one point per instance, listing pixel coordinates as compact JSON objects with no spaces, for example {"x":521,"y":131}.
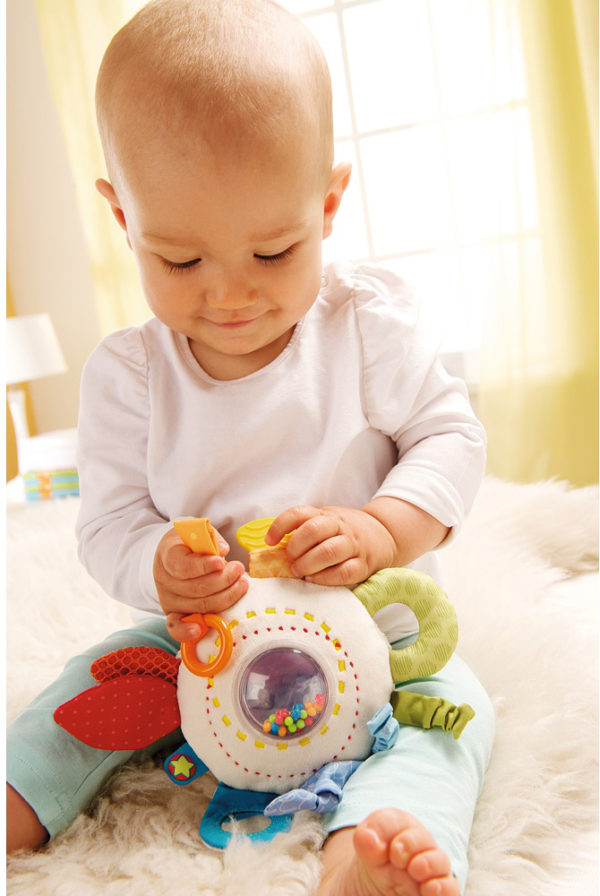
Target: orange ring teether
{"x":188,"y":648}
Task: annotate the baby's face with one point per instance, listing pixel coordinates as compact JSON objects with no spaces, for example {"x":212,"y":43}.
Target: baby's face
{"x":228,"y":249}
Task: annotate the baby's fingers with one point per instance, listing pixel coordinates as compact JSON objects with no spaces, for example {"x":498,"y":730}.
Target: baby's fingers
{"x":222,"y":544}
{"x":182,"y":564}
{"x":327,"y":553}
{"x":348,"y":573}
{"x":210,"y":585}
{"x":319,"y":540}
{"x":213,"y":603}
{"x":181,"y":631}
{"x":287,"y":521}
{"x":220,"y":600}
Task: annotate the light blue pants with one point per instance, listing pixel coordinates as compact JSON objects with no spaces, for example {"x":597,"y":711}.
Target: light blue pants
{"x":426,"y":773}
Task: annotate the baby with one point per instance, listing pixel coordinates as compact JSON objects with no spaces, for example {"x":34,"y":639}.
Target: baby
{"x":263,"y":382}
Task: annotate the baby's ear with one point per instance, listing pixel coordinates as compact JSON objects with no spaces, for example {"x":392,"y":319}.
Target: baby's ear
{"x":107,"y":190}
{"x":339,"y":180}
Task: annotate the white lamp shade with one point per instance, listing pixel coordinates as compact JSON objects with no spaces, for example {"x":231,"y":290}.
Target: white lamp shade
{"x":32,"y":349}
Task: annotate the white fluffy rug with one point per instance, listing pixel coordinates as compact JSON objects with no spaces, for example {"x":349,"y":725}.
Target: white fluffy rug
{"x":520,"y":574}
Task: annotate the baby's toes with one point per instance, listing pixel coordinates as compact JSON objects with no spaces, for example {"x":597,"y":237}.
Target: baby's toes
{"x":409,"y":844}
{"x":433,"y":863}
{"x":443,"y":886}
{"x":432,"y":870}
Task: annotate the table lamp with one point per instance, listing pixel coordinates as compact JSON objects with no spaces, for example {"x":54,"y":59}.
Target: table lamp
{"x":47,"y":462}
{"x":32,"y":352}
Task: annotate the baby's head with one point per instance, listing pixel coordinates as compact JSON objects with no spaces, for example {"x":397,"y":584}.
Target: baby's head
{"x":239,"y":75}
{"x":215,"y":118}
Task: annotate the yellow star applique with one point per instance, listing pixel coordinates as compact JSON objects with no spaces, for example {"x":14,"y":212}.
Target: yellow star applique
{"x":182,"y":767}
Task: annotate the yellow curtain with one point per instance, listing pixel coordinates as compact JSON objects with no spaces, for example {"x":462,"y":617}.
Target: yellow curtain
{"x":539,"y":365}
{"x":74,"y":36}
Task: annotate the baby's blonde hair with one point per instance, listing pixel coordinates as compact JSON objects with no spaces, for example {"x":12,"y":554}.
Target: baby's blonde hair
{"x":243,"y":71}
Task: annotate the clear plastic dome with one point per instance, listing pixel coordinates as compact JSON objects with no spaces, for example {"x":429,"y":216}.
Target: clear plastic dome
{"x":283,"y":692}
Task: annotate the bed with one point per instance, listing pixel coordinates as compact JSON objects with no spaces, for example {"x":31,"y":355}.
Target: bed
{"x":523,"y":575}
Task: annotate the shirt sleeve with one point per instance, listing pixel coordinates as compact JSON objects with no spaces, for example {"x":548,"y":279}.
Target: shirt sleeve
{"x":410,"y":397}
{"x":118,"y":528}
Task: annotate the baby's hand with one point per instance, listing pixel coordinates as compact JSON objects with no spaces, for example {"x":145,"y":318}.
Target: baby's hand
{"x":333,"y":545}
{"x":194,"y":583}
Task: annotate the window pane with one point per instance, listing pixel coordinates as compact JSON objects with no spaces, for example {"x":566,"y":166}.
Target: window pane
{"x":479,"y":63}
{"x":302,"y":6}
{"x":348,"y":242}
{"x":483,"y":165}
{"x":325,"y":29}
{"x":409,"y":203}
{"x":436,"y":276}
{"x":515,"y":270}
{"x":391,"y":64}
{"x":508,"y":52}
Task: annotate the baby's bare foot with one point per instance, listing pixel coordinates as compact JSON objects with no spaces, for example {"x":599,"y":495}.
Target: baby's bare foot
{"x":388,"y":854}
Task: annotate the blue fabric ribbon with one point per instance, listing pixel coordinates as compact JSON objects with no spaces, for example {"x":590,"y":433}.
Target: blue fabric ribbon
{"x":322,"y":792}
{"x":384,"y":728}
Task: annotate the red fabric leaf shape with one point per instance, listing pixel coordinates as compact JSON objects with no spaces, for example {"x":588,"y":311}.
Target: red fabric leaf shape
{"x":122,"y":714}
{"x":141,"y":660}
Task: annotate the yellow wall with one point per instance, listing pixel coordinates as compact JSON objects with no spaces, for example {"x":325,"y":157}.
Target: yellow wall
{"x":11,"y":446}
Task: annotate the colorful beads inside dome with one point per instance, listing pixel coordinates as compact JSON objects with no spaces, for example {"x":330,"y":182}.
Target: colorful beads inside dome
{"x":283,"y":692}
{"x":302,"y":715}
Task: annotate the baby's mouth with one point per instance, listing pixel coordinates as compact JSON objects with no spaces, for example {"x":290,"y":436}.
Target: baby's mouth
{"x":235,"y":323}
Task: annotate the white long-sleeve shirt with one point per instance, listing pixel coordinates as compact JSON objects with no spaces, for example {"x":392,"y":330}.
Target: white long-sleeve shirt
{"x":356,"y":406}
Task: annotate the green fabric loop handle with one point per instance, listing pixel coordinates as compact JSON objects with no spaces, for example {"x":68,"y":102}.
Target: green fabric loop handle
{"x":438,"y":626}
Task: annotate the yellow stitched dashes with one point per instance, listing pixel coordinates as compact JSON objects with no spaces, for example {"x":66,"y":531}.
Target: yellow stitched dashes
{"x":341,"y":687}
{"x":241,"y":735}
{"x":326,"y":628}
{"x":226,"y":720}
{"x":341,"y":666}
{"x":335,"y":709}
{"x":259,"y":744}
{"x":290,"y":612}
{"x":216,"y":702}
{"x":309,"y":616}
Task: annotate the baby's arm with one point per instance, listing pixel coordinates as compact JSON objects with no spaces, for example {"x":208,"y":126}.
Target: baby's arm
{"x":126,"y":543}
{"x":194,"y":583}
{"x":343,"y":546}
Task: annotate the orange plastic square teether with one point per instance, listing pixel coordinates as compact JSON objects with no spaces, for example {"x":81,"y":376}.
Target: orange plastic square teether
{"x":198,"y":535}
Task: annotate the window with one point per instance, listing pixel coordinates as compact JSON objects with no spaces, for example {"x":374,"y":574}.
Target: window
{"x":430,"y":106}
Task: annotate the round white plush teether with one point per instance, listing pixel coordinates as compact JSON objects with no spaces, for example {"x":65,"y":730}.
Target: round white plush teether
{"x":309,"y":668}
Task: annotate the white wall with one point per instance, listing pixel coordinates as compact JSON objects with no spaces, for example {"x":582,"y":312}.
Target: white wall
{"x":46,"y":250}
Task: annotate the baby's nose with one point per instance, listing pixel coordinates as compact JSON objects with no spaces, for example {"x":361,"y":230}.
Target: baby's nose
{"x":230,"y":294}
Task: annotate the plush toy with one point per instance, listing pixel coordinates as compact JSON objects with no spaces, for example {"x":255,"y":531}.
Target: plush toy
{"x":283,"y":694}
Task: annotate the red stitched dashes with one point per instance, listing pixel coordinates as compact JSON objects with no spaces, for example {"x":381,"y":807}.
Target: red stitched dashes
{"x":337,"y":646}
